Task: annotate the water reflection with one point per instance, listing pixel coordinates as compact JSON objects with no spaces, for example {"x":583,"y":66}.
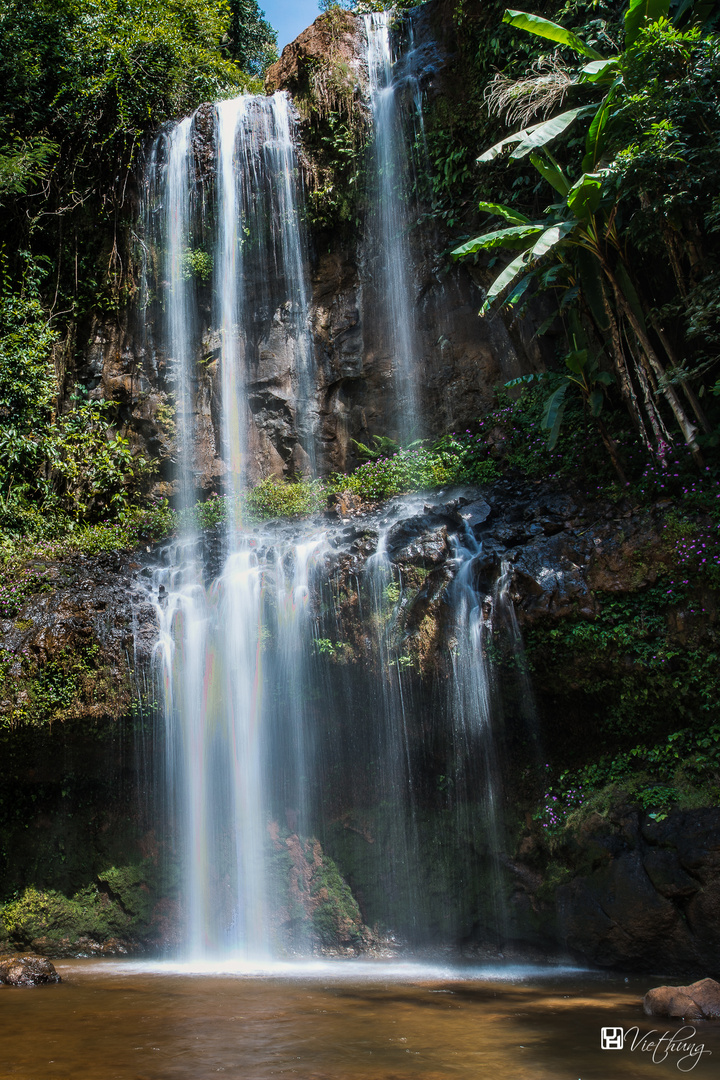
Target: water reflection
{"x":110,"y":1021}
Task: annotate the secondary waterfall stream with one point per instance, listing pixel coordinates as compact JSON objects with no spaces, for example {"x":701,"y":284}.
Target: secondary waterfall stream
{"x":389,"y":224}
{"x":273,"y":722}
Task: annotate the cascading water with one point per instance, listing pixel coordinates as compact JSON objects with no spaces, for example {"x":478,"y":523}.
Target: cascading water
{"x":210,"y":644}
{"x":260,"y":264}
{"x":474,"y":705}
{"x":271,"y":725}
{"x":395,"y":290}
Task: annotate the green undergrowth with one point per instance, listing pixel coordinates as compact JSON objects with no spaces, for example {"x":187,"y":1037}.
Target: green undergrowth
{"x":682,"y":771}
{"x":644,"y":654}
{"x":73,"y":683}
{"x":119,"y":903}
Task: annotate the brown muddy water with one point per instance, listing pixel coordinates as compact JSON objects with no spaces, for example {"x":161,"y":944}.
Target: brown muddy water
{"x":339,"y":1021}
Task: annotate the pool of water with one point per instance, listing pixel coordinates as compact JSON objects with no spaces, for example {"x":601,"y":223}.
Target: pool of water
{"x":123,"y":1020}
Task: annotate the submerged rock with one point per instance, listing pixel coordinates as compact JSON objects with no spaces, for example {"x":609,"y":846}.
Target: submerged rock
{"x":699,"y":1001}
{"x":27,"y":971}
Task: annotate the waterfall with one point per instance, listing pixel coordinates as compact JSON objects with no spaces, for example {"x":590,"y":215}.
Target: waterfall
{"x":475,"y":706}
{"x":279,"y":712}
{"x":395,"y":290}
{"x":219,"y":761}
{"x":260,"y":274}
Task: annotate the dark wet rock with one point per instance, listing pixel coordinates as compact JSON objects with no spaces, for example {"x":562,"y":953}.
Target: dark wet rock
{"x":475,"y":513}
{"x":639,"y":894}
{"x":698,"y":1001}
{"x":27,"y":971}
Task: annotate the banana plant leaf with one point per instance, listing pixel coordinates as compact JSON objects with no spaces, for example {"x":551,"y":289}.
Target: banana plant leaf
{"x":505,"y":212}
{"x":595,"y":140}
{"x":577,"y":360}
{"x":547,"y":131}
{"x":553,"y":415}
{"x":517,"y":236}
{"x":543,"y":28}
{"x":584,"y":196}
{"x":599,"y":71}
{"x":550,"y":171}
{"x":596,"y":401}
{"x":551,"y":238}
{"x":501,"y":282}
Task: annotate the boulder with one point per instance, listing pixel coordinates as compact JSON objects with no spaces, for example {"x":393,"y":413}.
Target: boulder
{"x":27,"y":971}
{"x":699,"y":1001}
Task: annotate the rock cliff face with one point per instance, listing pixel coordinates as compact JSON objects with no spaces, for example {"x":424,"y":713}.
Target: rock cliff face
{"x":461,"y":357}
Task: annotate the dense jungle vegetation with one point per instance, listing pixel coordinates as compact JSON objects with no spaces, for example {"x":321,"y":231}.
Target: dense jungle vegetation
{"x":83,"y":83}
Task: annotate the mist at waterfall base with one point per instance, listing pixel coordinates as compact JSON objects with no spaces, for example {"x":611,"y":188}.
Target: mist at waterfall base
{"x":275,"y":735}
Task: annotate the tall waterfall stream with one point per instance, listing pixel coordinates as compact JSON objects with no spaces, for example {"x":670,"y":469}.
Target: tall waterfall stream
{"x":260,"y":735}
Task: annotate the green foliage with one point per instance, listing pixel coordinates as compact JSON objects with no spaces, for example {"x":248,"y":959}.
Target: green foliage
{"x":276,"y":498}
{"x":121,"y":905}
{"x":197,"y":264}
{"x":408,"y":470}
{"x":625,"y":670}
{"x":82,"y":84}
{"x":583,"y":232}
{"x":251,"y":40}
{"x":23,"y":163}
{"x":336,"y":917}
{"x":72,"y":464}
{"x":683,"y":770}
{"x":36,"y":694}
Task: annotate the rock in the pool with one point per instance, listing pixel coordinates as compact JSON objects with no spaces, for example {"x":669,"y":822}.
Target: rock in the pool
{"x":27,"y":971}
{"x":699,"y":1001}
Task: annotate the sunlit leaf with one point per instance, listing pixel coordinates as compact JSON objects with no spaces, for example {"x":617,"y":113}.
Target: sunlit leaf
{"x":585,"y":194}
{"x":543,"y":28}
{"x":551,"y":172}
{"x":514,"y":237}
{"x":503,"y":280}
{"x":503,"y":211}
{"x":599,"y":71}
{"x":544,"y":133}
{"x":551,"y":238}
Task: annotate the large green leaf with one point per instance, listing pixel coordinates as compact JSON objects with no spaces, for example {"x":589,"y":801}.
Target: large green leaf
{"x":577,"y":360}
{"x":599,"y":71}
{"x":537,"y":136}
{"x":515,"y":237}
{"x":504,"y":211}
{"x":591,"y":286}
{"x":596,"y":402}
{"x":501,"y":282}
{"x":551,"y":238}
{"x":551,"y":171}
{"x":497,"y":148}
{"x":519,"y":290}
{"x":595,"y":141}
{"x":584,"y":196}
{"x":553,"y":415}
{"x":543,"y":28}
{"x":638,"y":13}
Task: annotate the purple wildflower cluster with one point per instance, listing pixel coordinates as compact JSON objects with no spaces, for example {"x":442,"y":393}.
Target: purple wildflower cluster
{"x":558,"y":804}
